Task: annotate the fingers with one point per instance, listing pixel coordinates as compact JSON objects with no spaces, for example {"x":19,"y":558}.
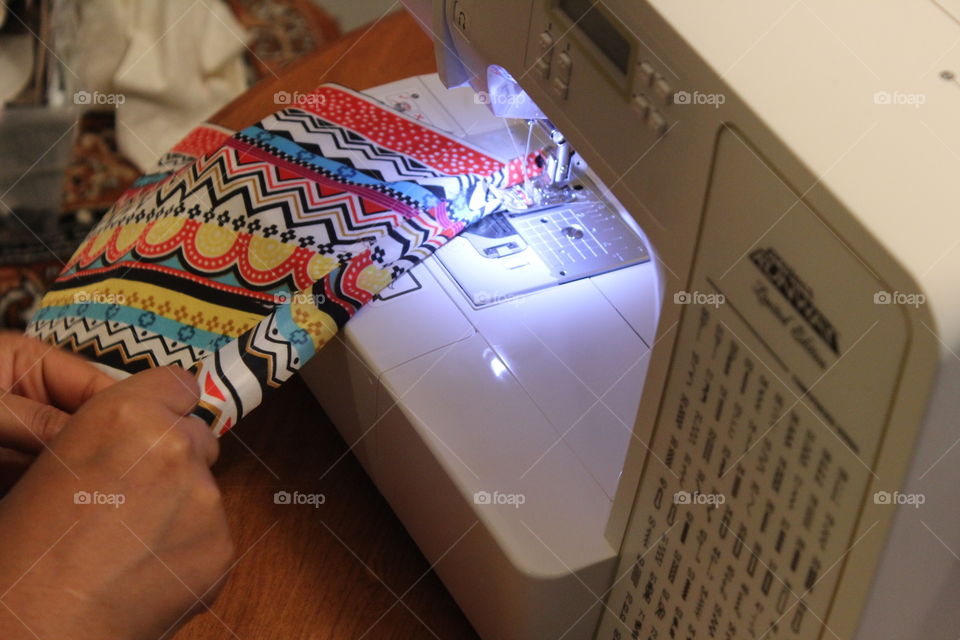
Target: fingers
{"x":70,"y":380}
{"x":37,"y":375}
{"x":44,"y":373}
{"x":157,"y":404}
{"x":173,"y":388}
{"x":203,"y":439}
{"x":27,"y":425}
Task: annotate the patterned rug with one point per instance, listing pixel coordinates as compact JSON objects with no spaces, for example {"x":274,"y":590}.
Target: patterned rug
{"x":282,"y":31}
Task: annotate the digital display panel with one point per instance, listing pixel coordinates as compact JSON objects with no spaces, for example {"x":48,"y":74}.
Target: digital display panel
{"x":601,"y":31}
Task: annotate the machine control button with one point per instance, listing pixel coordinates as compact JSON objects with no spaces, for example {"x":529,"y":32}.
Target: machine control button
{"x":560,"y":87}
{"x":543,"y":66}
{"x":641,"y":104}
{"x":656,"y":122}
{"x":662,"y":90}
{"x":546,"y":41}
{"x":564,"y":66}
{"x":645,"y":74}
{"x":546,"y":54}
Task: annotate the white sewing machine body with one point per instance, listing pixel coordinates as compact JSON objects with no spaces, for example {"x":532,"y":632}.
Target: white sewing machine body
{"x":455,"y":392}
{"x":780,"y":330}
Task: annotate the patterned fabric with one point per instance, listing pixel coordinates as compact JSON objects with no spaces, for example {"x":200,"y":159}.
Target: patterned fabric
{"x":248,"y":252}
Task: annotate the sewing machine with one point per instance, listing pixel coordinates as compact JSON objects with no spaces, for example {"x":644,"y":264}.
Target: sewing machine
{"x":703,"y":384}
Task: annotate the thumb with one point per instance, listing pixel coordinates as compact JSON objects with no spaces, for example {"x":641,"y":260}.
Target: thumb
{"x":27,"y":425}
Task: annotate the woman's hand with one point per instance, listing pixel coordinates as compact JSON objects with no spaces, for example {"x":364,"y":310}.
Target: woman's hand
{"x":40,"y":387}
{"x":117,"y":530}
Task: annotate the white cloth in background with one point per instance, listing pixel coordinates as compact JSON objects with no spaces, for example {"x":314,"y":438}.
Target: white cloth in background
{"x":169,"y":64}
{"x":16,"y":64}
{"x":16,"y":61}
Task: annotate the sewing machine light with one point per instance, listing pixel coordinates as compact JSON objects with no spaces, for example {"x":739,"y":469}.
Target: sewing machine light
{"x":506,"y":98}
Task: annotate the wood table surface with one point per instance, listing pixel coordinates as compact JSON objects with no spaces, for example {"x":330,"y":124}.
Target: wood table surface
{"x":345,"y":569}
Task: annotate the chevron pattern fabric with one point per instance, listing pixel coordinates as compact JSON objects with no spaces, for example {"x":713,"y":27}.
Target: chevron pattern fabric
{"x":246,"y":252}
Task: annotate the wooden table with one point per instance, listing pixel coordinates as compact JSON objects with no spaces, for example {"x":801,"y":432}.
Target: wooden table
{"x":346,"y":569}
